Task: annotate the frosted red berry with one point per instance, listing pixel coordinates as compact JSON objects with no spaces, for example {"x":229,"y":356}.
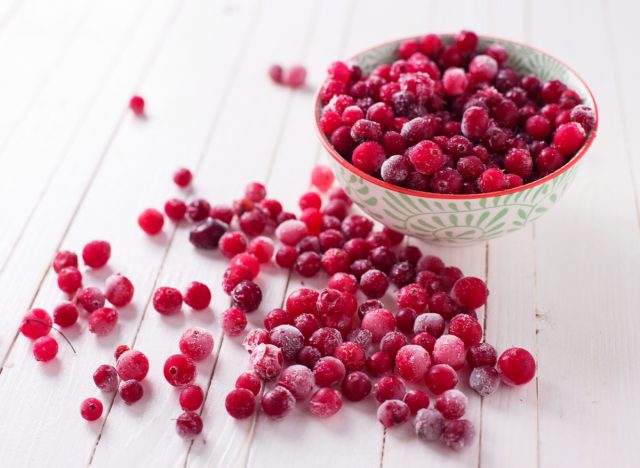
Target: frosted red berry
{"x":120,"y":350}
{"x":136,"y":104}
{"x":275,"y":73}
{"x":426,"y":156}
{"x":374,"y":283}
{"x":356,"y":386}
{"x":369,"y":156}
{"x":466,"y":328}
{"x":277,"y":402}
{"x":151,"y":221}
{"x":516,"y":366}
{"x":248,"y":261}
{"x":234,"y":321}
{"x":458,"y":434}
{"x":250,"y":381}
{"x":389,"y":387}
{"x":429,"y":424}
{"x":379,"y":322}
{"x":267,"y":361}
{"x":328,"y":372}
{"x":470,"y":292}
{"x":106,"y":378}
{"x":429,"y":322}
{"x":255,"y":191}
{"x":325,"y":402}
{"x":36,"y":323}
{"x":197,"y":343}
{"x":167,"y":300}
{"x":440,"y":378}
{"x":132,"y":365}
{"x":197,"y":295}
{"x":207,"y":233}
{"x":485,"y":380}
{"x":288,"y":338}
{"x":414,"y":297}
{"x":91,"y":409}
{"x":475,"y":122}
{"x":412,"y":363}
{"x":416,"y":400}
{"x":175,"y":209}
{"x":262,"y":248}
{"x":569,"y":137}
{"x":247,"y":296}
{"x":481,"y":354}
{"x":65,"y":314}
{"x":298,"y":379}
{"x":393,"y":412}
{"x":45,"y":349}
{"x":179,"y":370}
{"x":69,"y":279}
{"x":449,"y":349}
{"x":240,"y":403}
{"x":90,"y":298}
{"x":103,"y":321}
{"x":64,"y":259}
{"x":118,"y":290}
{"x":189,"y":425}
{"x":131,"y":391}
{"x":96,"y":253}
{"x":295,"y":76}
{"x":452,"y":404}
{"x":191,"y":397}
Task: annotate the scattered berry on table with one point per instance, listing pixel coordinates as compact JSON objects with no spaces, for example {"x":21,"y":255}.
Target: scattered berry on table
{"x":189,"y":425}
{"x":136,"y":104}
{"x":131,"y":391}
{"x":106,"y":378}
{"x":197,"y":343}
{"x":151,"y":221}
{"x":179,"y":370}
{"x":91,"y":409}
{"x":45,"y":349}
{"x":132,"y":364}
{"x":240,"y":403}
{"x":36,"y":323}
{"x":96,"y":253}
{"x":325,"y":402}
{"x":191,"y":397}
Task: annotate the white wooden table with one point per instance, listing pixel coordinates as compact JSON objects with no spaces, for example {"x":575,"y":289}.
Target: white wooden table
{"x":76,"y":165}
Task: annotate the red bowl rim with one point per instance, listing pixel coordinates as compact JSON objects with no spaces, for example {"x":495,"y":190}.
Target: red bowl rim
{"x":416,"y":193}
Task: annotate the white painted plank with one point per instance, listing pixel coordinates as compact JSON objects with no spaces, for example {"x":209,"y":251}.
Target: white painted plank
{"x":509,"y":416}
{"x":113,"y":217}
{"x":587,"y":251}
{"x":401,"y":444}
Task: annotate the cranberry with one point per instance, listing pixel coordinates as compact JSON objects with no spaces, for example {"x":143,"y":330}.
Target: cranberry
{"x":276,"y":403}
{"x":356,"y":386}
{"x":191,"y":397}
{"x":308,"y":356}
{"x":483,"y":68}
{"x":90,"y":299}
{"x":179,"y":370}
{"x":485,"y":380}
{"x":289,"y":339}
{"x":379,"y":363}
{"x":136,"y":104}
{"x":441,"y":377}
{"x":286,"y":256}
{"x":167,"y":300}
{"x":267,"y":361}
{"x":416,"y":400}
{"x":466,"y":41}
{"x":369,"y":156}
{"x":103,"y":321}
{"x":475,"y":122}
{"x":325,"y":402}
{"x":326,"y":340}
{"x":379,"y":322}
{"x":197,"y":295}
{"x":389,"y":387}
{"x":91,"y":409}
{"x":254,"y":338}
{"x":392,"y":342}
{"x":429,"y":424}
{"x":308,"y":264}
{"x":65,"y":314}
{"x":440,"y":303}
{"x":431,"y":323}
{"x":247,"y":296}
{"x":250,"y":381}
{"x":466,"y":328}
{"x":232,"y":244}
{"x":175,"y":209}
{"x":405,"y":319}
{"x":516,"y":366}
{"x":131,"y":391}
{"x":132,"y":365}
{"x":342,"y":141}
{"x":412,"y":363}
{"x":449,"y":349}
{"x":295,"y":76}
{"x":470,"y":292}
{"x":206,"y":234}
{"x":519,"y":162}
{"x":328,"y":371}
{"x":569,"y":137}
{"x":302,"y":301}
{"x":481,"y":354}
{"x":452,"y":404}
{"x":118,"y":290}
{"x":275,"y":73}
{"x":583,"y":115}
{"x":343,"y":282}
{"x":120,"y":350}
{"x":549,"y":160}
{"x":361,"y":337}
{"x":45,"y":349}
{"x":35,"y":324}
{"x":222,"y":213}
{"x":446,"y":180}
{"x":298,"y":379}
{"x":335,"y":260}
{"x":197,"y":343}
{"x":383,"y":258}
{"x":151,"y":221}
{"x":470,"y":167}
{"x":248,"y":261}
{"x":374,"y":283}
{"x":351,"y":355}
{"x":64,"y":259}
{"x":322,"y":178}
{"x":96,"y":253}
{"x":426,"y":156}
{"x":454,"y":81}
{"x":189,"y":425}
{"x":240,"y":403}
{"x":253,"y":223}
{"x":551,"y":91}
{"x":492,"y":180}
{"x":234,"y":321}
{"x":458,"y":434}
{"x":393,"y":412}
{"x":396,"y":169}
{"x":402,"y":273}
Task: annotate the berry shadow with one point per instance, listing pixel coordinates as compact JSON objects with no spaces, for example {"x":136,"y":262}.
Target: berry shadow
{"x":174,"y":321}
{"x":52,"y":368}
{"x":98,"y":274}
{"x":203,"y":317}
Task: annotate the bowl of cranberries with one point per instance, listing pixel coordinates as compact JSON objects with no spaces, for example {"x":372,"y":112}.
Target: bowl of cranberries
{"x":455,"y":138}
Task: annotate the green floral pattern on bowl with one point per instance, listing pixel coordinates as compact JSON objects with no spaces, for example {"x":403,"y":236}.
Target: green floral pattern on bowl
{"x":463,"y":220}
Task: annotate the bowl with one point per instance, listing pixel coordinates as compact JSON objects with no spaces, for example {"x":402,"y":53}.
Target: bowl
{"x":462,"y":219}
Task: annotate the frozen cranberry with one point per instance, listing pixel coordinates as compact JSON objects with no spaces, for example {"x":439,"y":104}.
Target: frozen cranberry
{"x":440,"y":303}
{"x":91,"y":409}
{"x":250,"y":381}
{"x":516,"y":366}
{"x":232,"y":244}
{"x":343,"y":282}
{"x":233,"y":276}
{"x":267,"y":361}
{"x":498,"y":53}
{"x":308,"y":356}
{"x":351,"y":115}
{"x":392,"y":342}
{"x":328,"y":371}
{"x":189,"y":425}
{"x":96,"y":253}
{"x":286,"y":256}
{"x":308,"y":244}
{"x":308,"y":264}
{"x":36,"y":323}
{"x":475,"y":122}
{"x":483,"y":68}
{"x":466,"y":328}
{"x":538,"y":127}
{"x":119,"y":290}
{"x":102,"y":321}
{"x":426,"y":156}
{"x":492,"y":180}
{"x":405,"y":319}
{"x":361,"y":337}
{"x":175,"y":209}
{"x":485,"y":380}
{"x":470,"y":292}
{"x":458,"y":434}
{"x":551,"y":91}
{"x":240,"y":403}
{"x":262,"y":248}
{"x":429,"y":424}
{"x":393,"y":412}
{"x":569,"y":137}
{"x":275,"y":73}
{"x":335,"y":260}
{"x":389,"y":387}
{"x":402,"y":273}
{"x":446,"y":180}
{"x":412,"y":363}
{"x":322,"y":178}
{"x":416,"y":400}
{"x":197,"y":295}
{"x":277,"y":402}
{"x":454,"y":81}
{"x":179,"y":370}
{"x":356,"y":386}
{"x":288,"y":338}
{"x":167,"y":300}
{"x":65,"y":314}
{"x":326,"y":340}
{"x":298,"y":379}
{"x":379,"y":363}
{"x":90,"y":298}
{"x":396,"y":169}
{"x":234,"y":321}
{"x":470,"y":167}
{"x":583,"y":115}
{"x":440,"y":378}
{"x":374,"y":283}
{"x":466,"y":41}
{"x":248,"y":261}
{"x":197,"y":343}
{"x":351,"y":355}
{"x":253,"y":223}
{"x":325,"y":402}
{"x":506,"y":79}
{"x":45,"y":349}
{"x":132,"y":365}
{"x":425,"y":340}
{"x":295,"y":76}
{"x":222,"y":213}
{"x":191,"y":398}
{"x":206,"y":234}
{"x":64,"y":259}
{"x":394,"y":143}
{"x":247,"y":296}
{"x":131,"y":391}
{"x":481,"y":354}
{"x":379,"y":322}
{"x":254,"y":338}
{"x":356,"y":226}
{"x":519,"y":162}
{"x":342,"y":141}
{"x":136,"y":104}
{"x":151,"y":221}
{"x":452,"y":404}
{"x":368,"y":157}
{"x":549,"y":160}
{"x":449,"y":349}
{"x":302,"y":301}
{"x":120,"y":350}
